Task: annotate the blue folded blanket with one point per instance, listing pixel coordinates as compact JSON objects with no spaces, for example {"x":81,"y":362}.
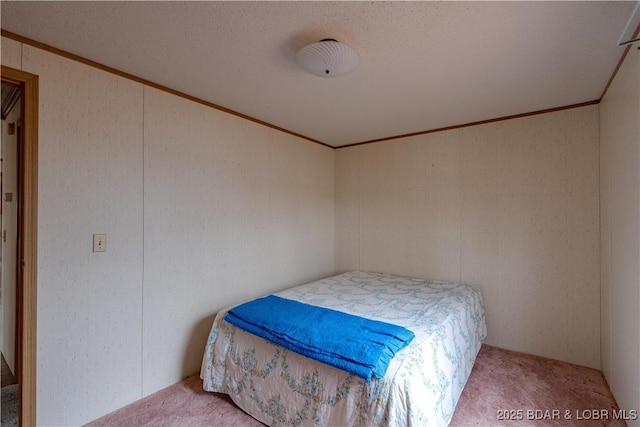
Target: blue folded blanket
{"x":361,"y":346}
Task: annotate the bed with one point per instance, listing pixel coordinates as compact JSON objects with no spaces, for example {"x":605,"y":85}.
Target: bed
{"x":421,"y":385}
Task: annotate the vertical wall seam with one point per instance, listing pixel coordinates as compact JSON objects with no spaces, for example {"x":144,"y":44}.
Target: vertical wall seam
{"x":335,"y":211}
{"x":636,"y":66}
{"x":359,"y":164}
{"x":460,"y":210}
{"x":271,"y":271}
{"x":637,"y":88}
{"x":600,"y":255}
{"x":143,"y":252}
{"x":610,"y":272}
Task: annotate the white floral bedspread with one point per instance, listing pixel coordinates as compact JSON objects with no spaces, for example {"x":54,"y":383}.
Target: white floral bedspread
{"x":422,"y":384}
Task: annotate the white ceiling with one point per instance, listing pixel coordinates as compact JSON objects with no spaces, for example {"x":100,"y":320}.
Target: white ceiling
{"x":423,"y":65}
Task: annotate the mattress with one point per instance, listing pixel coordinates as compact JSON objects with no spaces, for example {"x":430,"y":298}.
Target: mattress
{"x":420,"y":387}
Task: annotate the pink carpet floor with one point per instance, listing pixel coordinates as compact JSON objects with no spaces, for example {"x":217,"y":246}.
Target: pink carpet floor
{"x":505,"y":388}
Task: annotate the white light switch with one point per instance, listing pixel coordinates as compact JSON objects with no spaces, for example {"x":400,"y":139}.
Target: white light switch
{"x":99,"y":243}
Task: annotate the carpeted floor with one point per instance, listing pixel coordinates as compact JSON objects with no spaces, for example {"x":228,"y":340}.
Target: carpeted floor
{"x":9,"y":399}
{"x":505,"y":388}
{"x":528,"y":389}
{"x":9,"y":410}
{"x":180,"y":405}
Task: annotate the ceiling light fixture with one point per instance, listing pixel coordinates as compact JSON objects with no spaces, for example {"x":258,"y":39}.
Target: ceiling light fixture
{"x":327,"y":58}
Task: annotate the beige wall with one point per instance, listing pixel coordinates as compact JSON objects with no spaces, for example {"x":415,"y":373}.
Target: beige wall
{"x":511,"y":206}
{"x":11,"y":53}
{"x":201,"y":209}
{"x":89,"y":182}
{"x":620,"y":229}
{"x":232,"y":210}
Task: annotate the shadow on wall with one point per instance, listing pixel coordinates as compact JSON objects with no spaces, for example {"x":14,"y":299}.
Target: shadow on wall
{"x":195,"y":348}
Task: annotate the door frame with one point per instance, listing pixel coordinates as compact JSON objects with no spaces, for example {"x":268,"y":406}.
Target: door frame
{"x":27,"y":244}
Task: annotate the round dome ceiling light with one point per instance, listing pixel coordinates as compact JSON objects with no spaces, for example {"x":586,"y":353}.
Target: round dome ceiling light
{"x":327,"y":58}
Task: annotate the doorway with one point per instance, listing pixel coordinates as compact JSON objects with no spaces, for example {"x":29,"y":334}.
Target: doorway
{"x":9,"y":351}
{"x":25,"y":202}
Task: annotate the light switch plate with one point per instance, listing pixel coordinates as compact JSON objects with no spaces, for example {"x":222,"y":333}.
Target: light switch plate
{"x":99,"y":243}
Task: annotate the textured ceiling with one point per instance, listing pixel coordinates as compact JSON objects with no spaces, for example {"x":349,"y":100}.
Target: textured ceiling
{"x":423,"y":65}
